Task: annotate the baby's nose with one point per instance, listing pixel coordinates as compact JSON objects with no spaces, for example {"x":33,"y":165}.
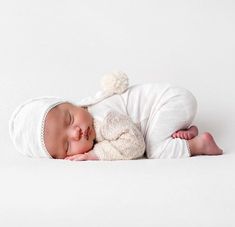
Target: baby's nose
{"x":77,"y":134}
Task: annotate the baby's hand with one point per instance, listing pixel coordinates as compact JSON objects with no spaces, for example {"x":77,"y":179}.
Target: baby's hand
{"x":83,"y":157}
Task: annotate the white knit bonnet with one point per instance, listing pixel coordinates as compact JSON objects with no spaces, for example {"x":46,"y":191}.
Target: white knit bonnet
{"x":26,"y":125}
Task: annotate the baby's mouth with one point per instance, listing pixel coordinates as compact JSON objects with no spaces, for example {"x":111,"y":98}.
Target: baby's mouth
{"x":86,"y":133}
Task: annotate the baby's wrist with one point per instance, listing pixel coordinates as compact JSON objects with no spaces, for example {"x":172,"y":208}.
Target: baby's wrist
{"x":91,"y":155}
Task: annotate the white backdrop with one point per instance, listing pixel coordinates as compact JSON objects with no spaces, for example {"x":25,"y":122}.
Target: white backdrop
{"x":62,"y":48}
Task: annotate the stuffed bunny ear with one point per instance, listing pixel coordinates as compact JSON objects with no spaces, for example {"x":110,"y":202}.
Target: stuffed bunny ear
{"x":116,"y":82}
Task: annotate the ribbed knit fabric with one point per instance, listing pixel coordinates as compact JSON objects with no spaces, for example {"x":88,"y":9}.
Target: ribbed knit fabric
{"x":118,"y":138}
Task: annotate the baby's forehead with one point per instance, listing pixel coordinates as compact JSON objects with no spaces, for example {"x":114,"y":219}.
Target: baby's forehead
{"x":64,"y":105}
{"x":61,"y":107}
{"x":55,"y":112}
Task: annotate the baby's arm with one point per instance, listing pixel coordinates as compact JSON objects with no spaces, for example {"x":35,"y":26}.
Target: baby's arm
{"x":122,"y":139}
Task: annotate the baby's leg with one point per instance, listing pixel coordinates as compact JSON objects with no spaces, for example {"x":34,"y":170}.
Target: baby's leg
{"x":204,"y":145}
{"x":186,"y":134}
{"x":177,"y":112}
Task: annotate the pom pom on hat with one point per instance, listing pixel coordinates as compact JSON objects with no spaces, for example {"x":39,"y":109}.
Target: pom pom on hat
{"x":115,"y":82}
{"x":112,"y":83}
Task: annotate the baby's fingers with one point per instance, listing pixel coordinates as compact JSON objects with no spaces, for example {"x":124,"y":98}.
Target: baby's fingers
{"x":79,"y":157}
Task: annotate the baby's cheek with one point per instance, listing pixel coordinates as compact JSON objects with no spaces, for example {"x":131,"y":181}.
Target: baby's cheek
{"x":88,"y":146}
{"x":82,"y":147}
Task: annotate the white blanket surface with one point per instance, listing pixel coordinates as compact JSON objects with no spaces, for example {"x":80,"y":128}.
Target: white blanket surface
{"x":198,"y":191}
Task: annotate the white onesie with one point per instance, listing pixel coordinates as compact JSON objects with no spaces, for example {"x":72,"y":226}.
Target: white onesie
{"x":158,"y":109}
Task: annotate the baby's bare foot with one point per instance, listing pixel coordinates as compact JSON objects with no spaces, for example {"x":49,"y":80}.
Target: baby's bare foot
{"x":209,"y":146}
{"x":186,"y":134}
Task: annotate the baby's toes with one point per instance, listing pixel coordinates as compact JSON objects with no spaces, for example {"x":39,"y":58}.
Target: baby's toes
{"x":176,"y":135}
{"x":181,"y":134}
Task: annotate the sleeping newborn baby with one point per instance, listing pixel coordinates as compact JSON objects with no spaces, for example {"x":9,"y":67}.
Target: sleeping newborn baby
{"x":118,"y":123}
{"x":70,"y":132}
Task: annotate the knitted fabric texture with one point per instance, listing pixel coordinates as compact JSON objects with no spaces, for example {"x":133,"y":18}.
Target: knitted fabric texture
{"x":118,"y":138}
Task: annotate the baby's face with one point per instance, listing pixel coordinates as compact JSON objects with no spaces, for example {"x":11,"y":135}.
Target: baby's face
{"x":68,"y":131}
